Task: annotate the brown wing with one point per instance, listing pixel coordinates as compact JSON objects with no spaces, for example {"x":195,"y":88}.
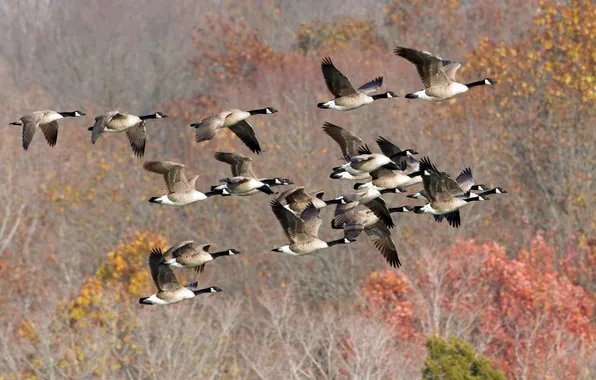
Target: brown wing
{"x":163,"y":276}
{"x":101,"y":122}
{"x":296,"y":195}
{"x":289,"y":222}
{"x":337,"y":83}
{"x":182,"y":249}
{"x":429,"y":67}
{"x":347,"y":141}
{"x":50,"y":131}
{"x":451,"y":69}
{"x":137,"y":137}
{"x":311,"y":221}
{"x":379,"y":208}
{"x":244,"y":131}
{"x":173,"y":174}
{"x":241,"y":165}
{"x":28,"y":132}
{"x":381,"y":238}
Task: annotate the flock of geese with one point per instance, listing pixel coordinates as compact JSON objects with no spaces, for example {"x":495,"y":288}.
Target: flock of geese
{"x":361,"y":210}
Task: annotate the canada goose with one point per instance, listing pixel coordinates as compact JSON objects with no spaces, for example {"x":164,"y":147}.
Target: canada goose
{"x":386,"y":179}
{"x":377,"y":232}
{"x":303,"y":231}
{"x":369,"y":198}
{"x":297,"y":200}
{"x":187,"y":255}
{"x":440,"y":192}
{"x":346,"y":97}
{"x":365,"y":161}
{"x":242,"y":166}
{"x":44,"y":120}
{"x":169,"y":289}
{"x":349,"y":144}
{"x":438,"y":79}
{"x":235,"y":120}
{"x":463,"y":184}
{"x":181,"y":190}
{"x":241,"y":186}
{"x":134,"y":126}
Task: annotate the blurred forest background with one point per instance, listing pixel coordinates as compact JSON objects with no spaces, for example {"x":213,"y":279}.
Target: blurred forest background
{"x":516,"y":281}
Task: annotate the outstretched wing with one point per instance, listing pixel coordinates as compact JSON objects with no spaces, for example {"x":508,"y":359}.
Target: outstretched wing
{"x":337,"y":83}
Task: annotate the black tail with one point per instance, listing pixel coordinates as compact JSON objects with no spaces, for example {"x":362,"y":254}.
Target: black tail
{"x":90,"y":128}
{"x":142,"y":301}
{"x":357,"y":186}
{"x":416,"y":174}
{"x":16,"y":123}
{"x":322,"y":105}
{"x":333,"y":202}
{"x":418,"y":209}
{"x":411,"y":96}
{"x":154,"y":200}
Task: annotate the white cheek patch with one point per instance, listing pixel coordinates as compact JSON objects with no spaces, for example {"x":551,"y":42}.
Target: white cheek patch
{"x":486,"y":81}
{"x":389,"y":95}
{"x":230,"y":252}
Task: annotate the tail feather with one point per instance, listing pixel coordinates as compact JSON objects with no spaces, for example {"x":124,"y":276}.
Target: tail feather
{"x":18,"y":122}
{"x":411,"y":96}
{"x":154,"y":200}
{"x":322,"y":105}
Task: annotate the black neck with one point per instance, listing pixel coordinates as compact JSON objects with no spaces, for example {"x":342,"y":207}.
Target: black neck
{"x":202,"y":291}
{"x":258,"y":112}
{"x":68,"y":114}
{"x":488,"y":192}
{"x":379,"y":96}
{"x":219,"y":254}
{"x":416,"y":174}
{"x":336,"y":242}
{"x":145,"y":117}
{"x":474,"y":84}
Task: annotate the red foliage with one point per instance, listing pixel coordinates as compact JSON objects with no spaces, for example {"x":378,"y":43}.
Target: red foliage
{"x":521,"y":311}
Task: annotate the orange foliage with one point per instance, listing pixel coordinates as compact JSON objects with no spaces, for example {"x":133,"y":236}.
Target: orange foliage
{"x":121,"y":278}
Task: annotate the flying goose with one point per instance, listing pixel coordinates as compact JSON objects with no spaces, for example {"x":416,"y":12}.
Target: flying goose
{"x":465,"y":181}
{"x":187,"y":255}
{"x":303,"y":231}
{"x":47,"y":121}
{"x":365,"y":162}
{"x":349,"y":144}
{"x":241,"y":186}
{"x":169,"y":289}
{"x":134,"y":126}
{"x":242,"y":166}
{"x":297,"y":200}
{"x":438,"y":76}
{"x":383,"y":178}
{"x":346,"y":97}
{"x":235,"y":120}
{"x":356,"y":221}
{"x":367,"y":197}
{"x":181,"y":190}
{"x":440,"y":190}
